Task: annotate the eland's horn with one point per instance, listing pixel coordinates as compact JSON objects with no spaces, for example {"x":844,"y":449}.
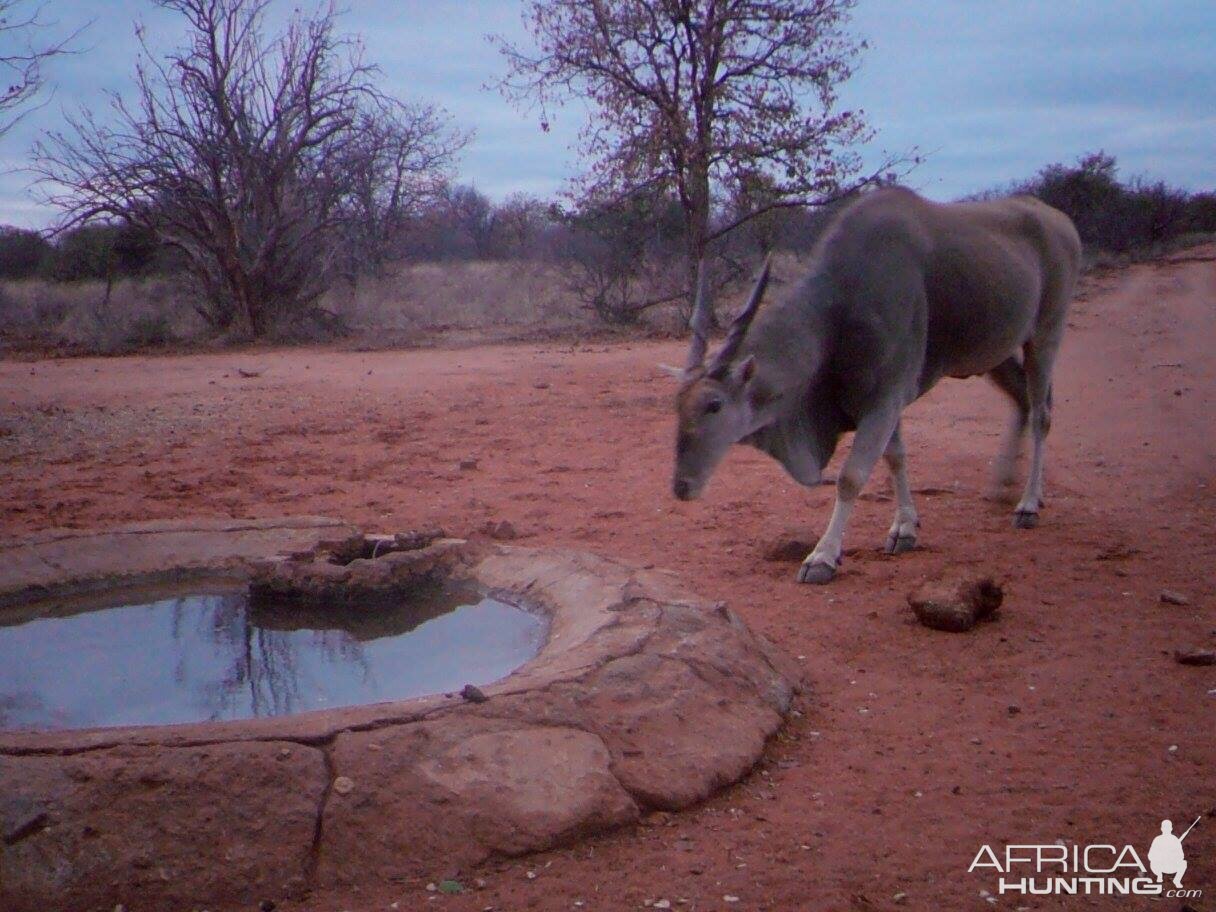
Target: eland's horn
{"x":738,"y":328}
{"x":699,"y":323}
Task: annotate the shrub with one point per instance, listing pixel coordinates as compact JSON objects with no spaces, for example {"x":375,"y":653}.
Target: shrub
{"x":1115,"y":216}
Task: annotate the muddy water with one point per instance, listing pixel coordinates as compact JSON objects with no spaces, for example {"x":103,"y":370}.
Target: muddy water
{"x":212,"y":656}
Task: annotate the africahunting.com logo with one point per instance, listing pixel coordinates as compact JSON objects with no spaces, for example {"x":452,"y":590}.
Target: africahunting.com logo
{"x":1090,"y":870}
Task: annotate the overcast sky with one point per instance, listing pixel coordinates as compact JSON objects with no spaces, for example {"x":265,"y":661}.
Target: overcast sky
{"x":990,"y":91}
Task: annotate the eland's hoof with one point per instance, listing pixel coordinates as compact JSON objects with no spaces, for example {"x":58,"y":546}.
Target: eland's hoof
{"x":816,"y":574}
{"x":1025,"y":519}
{"x":898,"y":544}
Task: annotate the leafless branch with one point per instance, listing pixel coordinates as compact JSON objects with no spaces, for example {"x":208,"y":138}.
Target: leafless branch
{"x":695,"y":97}
{"x":25,"y":47}
{"x":262,"y":159}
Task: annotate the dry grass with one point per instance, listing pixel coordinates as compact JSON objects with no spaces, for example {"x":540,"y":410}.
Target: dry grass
{"x":482,"y":299}
{"x":76,"y":318}
{"x":418,"y":304}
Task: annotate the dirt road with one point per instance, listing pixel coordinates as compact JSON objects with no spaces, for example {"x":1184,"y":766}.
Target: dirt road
{"x":1065,"y":720}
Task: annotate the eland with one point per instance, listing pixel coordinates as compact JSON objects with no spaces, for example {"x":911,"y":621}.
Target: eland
{"x":901,"y":292}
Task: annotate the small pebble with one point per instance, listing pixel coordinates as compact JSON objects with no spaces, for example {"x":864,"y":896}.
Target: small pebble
{"x":344,"y":785}
{"x":473,"y":694}
{"x":1174,"y":598}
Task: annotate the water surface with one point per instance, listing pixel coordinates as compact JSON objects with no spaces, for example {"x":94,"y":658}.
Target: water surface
{"x":213,"y":656}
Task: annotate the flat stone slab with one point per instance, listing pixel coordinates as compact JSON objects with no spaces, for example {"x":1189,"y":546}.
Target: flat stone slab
{"x":644,"y":696}
{"x":63,"y":562}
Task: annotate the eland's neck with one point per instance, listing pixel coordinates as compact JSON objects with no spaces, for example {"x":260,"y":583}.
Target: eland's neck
{"x":791,"y":337}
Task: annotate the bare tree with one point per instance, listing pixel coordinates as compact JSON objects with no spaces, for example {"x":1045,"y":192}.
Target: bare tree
{"x":240,"y":150}
{"x":692,"y":96}
{"x":398,"y":166}
{"x":22,"y":56}
{"x":472,"y":213}
{"x":518,"y":221}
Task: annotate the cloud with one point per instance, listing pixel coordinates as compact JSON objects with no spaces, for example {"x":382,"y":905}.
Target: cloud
{"x":990,"y":91}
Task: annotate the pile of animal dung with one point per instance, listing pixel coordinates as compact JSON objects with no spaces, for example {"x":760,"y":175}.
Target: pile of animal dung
{"x":956,"y":606}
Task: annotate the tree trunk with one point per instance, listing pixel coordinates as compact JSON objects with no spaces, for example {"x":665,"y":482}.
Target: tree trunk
{"x":696,"y":221}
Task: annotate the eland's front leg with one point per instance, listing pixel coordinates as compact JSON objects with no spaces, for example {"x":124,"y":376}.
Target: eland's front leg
{"x":902,"y":536}
{"x":873,"y":434}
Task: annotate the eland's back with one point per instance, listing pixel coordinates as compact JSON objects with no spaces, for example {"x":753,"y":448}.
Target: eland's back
{"x":993,"y":272}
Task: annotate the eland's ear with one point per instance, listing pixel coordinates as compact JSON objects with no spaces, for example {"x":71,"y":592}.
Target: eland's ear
{"x":677,"y":372}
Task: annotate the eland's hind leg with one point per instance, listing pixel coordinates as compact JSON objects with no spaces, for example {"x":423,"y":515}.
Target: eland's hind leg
{"x":1040,"y":357}
{"x":1038,"y":362}
{"x":902,"y":536}
{"x":1010,"y":378}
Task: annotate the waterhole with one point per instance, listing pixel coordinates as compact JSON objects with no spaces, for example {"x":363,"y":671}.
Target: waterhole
{"x":213,"y":655}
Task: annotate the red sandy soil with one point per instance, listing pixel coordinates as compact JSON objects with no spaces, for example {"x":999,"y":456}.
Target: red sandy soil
{"x":1066,"y":719}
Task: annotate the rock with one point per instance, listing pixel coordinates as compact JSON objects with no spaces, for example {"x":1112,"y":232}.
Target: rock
{"x":267,"y":905}
{"x":467,"y":464}
{"x":459,"y":789}
{"x":248,"y":374}
{"x":502,"y":530}
{"x":417,"y":539}
{"x":542,"y":385}
{"x":25,"y":827}
{"x":1170,"y":597}
{"x":267,"y":805}
{"x":645,"y":696}
{"x":344,"y":785}
{"x":790,"y":546}
{"x":473,"y":693}
{"x":956,"y":607}
{"x":1195,"y":657}
{"x":66,"y":557}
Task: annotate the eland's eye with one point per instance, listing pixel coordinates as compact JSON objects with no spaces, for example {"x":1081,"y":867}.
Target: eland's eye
{"x":713,"y":407}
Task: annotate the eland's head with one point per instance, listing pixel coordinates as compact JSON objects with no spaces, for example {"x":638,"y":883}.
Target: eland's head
{"x":715,"y":405}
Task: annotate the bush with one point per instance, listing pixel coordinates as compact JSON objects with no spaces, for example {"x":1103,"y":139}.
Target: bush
{"x":22,"y":253}
{"x":1120,"y":217}
{"x":149,"y":330}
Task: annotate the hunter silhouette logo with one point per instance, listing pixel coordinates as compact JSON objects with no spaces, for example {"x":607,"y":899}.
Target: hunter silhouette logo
{"x":1101,"y":869}
{"x":1165,"y":855}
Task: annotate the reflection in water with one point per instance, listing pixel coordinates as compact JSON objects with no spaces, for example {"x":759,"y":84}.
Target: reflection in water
{"x":261,"y":674}
{"x":216,"y":657}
